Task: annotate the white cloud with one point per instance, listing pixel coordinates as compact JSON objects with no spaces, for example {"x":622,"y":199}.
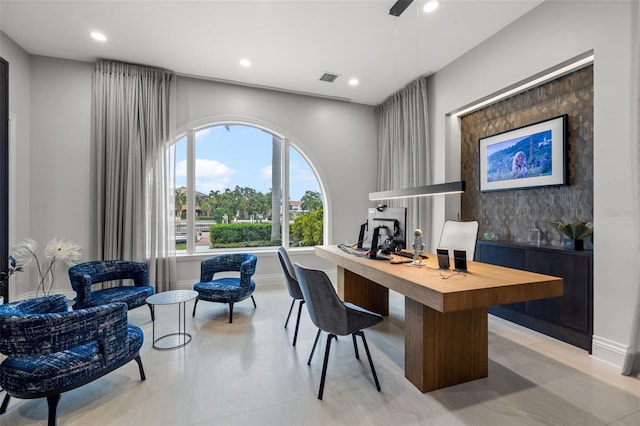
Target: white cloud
{"x":266,"y":173}
{"x":211,"y":175}
{"x":301,"y":174}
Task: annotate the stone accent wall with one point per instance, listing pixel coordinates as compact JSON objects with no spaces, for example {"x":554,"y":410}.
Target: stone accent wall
{"x":512,"y":214}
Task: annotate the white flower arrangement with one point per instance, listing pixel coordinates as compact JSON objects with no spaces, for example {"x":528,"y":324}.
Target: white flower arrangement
{"x":57,"y":249}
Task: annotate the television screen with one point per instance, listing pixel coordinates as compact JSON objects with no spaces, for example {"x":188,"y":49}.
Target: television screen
{"x":530,"y":156}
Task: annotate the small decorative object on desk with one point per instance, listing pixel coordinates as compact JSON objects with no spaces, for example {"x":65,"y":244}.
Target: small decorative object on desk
{"x":418,"y":248}
{"x":533,"y":237}
{"x":491,"y":236}
{"x":57,"y":249}
{"x":575,"y":233}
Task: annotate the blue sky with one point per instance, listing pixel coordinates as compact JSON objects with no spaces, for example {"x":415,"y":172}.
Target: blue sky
{"x":247,"y":164}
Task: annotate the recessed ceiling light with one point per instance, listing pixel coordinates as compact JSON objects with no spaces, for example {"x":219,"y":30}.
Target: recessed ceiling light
{"x":430,"y":6}
{"x":98,"y":36}
{"x":353,"y":82}
{"x":245,"y":63}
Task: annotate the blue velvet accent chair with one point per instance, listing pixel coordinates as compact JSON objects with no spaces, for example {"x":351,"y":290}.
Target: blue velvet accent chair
{"x":51,"y":350}
{"x":85,"y":276}
{"x":226,"y":289}
{"x":293,"y":287}
{"x":333,"y":316}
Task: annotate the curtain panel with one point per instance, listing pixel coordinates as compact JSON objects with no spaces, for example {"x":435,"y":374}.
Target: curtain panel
{"x":133,"y":117}
{"x":404,"y":152}
{"x":631,"y":366}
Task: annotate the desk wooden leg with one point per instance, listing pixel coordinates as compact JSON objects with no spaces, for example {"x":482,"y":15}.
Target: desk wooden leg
{"x":444,"y":349}
{"x":362,"y":292}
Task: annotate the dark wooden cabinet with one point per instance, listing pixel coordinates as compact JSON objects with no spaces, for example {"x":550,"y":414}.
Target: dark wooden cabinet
{"x":568,"y":318}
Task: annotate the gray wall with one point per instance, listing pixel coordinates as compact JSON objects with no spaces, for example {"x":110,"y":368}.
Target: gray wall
{"x":549,"y":35}
{"x":54,"y":157}
{"x":511,"y":214}
{"x":339,"y":138}
{"x":19,"y":108}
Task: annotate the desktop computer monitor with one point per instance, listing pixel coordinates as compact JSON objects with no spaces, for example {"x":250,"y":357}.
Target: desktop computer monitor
{"x":391,"y":224}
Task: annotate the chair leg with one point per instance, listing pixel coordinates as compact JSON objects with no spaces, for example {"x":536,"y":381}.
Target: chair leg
{"x":373,"y":370}
{"x":295,"y":334}
{"x":230,"y":312}
{"x":194,"y":307}
{"x":5,"y":403}
{"x":355,"y":345}
{"x":324,"y":365}
{"x":153,"y":315}
{"x":139,"y":361}
{"x":52,"y":401}
{"x":293,"y":302}
{"x":313,"y":349}
{"x":254,"y":302}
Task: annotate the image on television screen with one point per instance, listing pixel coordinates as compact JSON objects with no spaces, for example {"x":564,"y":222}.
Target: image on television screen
{"x":523,"y":157}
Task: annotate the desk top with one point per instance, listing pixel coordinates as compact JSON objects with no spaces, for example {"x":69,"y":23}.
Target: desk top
{"x":483,"y":285}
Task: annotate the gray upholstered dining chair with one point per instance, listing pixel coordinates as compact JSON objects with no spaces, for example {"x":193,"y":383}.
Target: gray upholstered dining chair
{"x":459,"y":236}
{"x":293,"y":287}
{"x":333,"y":316}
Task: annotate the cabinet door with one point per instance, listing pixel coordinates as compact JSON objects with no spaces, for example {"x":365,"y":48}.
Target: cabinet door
{"x":510,"y":257}
{"x":572,"y":309}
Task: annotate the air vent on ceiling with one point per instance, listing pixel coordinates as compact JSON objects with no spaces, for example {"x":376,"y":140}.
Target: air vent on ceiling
{"x":329,"y":77}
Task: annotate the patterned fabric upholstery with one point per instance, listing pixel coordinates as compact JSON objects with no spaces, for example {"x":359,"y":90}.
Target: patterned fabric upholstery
{"x":84,"y":276}
{"x":51,"y":350}
{"x":226,"y":289}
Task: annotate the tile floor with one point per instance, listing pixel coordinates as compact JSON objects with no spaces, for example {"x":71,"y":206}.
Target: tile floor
{"x":247,"y":373}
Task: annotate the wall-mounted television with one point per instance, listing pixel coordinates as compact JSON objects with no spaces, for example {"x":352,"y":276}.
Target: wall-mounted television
{"x":526,"y":157}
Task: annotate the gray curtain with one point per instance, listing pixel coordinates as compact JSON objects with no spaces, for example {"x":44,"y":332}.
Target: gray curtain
{"x":132,"y":123}
{"x":632,"y":359}
{"x":404,"y":152}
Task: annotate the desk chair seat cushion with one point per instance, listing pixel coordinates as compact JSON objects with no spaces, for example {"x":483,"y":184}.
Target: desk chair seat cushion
{"x":359,"y":318}
{"x":224,"y":290}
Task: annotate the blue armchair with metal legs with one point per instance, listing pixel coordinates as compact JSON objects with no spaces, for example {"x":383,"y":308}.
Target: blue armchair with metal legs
{"x":226,"y":289}
{"x":333,"y":316}
{"x":51,"y":350}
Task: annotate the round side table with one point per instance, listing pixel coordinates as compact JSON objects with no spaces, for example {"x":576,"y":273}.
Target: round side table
{"x":172,"y":297}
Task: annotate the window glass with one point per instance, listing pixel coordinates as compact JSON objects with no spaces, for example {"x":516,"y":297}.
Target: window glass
{"x":238,"y":187}
{"x":306,"y":212}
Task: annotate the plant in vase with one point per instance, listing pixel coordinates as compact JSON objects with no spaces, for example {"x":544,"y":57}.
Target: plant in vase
{"x":56,"y":250}
{"x":575,"y":233}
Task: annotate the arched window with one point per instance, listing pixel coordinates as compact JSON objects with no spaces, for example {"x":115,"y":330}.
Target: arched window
{"x":230,"y":180}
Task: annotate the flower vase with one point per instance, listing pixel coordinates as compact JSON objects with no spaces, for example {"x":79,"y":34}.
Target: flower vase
{"x":571,"y":244}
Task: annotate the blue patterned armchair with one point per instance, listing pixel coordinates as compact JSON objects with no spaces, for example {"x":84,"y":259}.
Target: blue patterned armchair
{"x":51,"y":350}
{"x":85,"y":275}
{"x":226,"y":289}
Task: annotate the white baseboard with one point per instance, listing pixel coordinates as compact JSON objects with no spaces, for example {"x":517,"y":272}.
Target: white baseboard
{"x":608,"y":351}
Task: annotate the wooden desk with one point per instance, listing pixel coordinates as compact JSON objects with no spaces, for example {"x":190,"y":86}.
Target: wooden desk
{"x":446,"y":325}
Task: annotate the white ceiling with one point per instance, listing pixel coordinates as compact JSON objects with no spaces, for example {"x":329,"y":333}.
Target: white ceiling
{"x":290,"y":43}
